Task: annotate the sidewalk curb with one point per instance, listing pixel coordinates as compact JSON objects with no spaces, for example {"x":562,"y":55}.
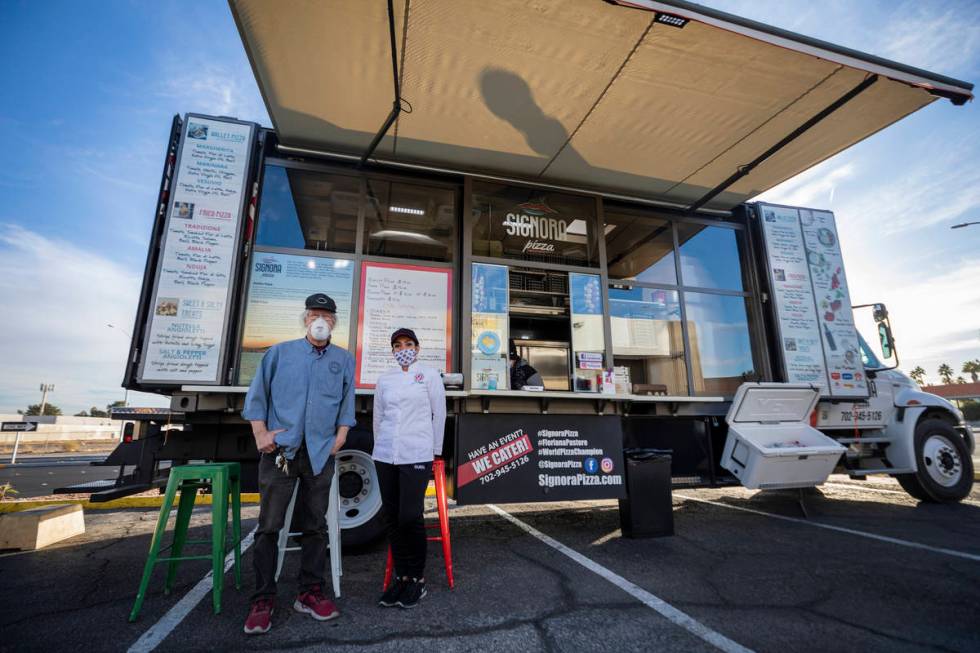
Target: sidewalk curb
{"x":125,"y":502}
{"x":131,"y":502}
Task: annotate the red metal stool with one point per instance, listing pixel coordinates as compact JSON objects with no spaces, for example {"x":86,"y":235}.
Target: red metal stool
{"x":442,"y":507}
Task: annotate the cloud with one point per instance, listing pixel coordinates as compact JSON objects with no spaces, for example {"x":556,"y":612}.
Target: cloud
{"x":815,"y":187}
{"x":57,"y":299}
{"x":215,"y":89}
{"x":925,"y":36}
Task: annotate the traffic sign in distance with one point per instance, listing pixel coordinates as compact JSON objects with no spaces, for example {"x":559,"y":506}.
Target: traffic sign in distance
{"x":18,"y":426}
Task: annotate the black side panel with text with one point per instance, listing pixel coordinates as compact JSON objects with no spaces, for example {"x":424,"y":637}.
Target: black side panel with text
{"x":521,"y":458}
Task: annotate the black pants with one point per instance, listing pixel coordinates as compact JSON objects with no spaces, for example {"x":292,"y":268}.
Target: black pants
{"x":403,"y":501}
{"x":275,"y":490}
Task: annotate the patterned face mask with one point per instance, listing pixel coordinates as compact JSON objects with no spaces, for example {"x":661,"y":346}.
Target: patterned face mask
{"x":405,"y":357}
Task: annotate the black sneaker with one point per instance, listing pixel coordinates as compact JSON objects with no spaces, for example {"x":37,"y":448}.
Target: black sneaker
{"x":414,"y":592}
{"x":390,"y":598}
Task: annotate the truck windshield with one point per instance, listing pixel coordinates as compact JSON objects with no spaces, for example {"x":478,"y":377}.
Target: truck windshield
{"x":868,"y":357}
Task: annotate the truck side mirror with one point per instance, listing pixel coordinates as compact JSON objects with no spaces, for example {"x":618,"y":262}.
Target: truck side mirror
{"x":885,"y":336}
{"x":880,"y":313}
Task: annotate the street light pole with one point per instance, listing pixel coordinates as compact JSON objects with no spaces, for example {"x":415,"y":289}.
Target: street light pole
{"x":963,"y":224}
{"x":45,"y":389}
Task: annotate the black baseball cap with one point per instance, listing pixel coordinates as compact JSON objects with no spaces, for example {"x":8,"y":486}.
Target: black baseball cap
{"x":408,"y":333}
{"x":322,"y":302}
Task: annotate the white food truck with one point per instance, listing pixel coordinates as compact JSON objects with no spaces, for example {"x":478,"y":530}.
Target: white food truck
{"x":568,"y":181}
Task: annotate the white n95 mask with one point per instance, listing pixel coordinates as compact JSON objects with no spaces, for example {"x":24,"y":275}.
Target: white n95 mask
{"x":320,"y":329}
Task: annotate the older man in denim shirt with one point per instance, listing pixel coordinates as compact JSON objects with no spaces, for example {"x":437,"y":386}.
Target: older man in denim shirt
{"x":301,"y":406}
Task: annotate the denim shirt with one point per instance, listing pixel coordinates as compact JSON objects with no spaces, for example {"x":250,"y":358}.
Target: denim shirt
{"x":307,"y":392}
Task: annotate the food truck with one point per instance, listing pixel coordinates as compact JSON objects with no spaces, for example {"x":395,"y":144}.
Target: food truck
{"x":566,"y":181}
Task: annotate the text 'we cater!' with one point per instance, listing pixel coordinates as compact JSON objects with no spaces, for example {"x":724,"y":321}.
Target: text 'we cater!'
{"x":505,"y":453}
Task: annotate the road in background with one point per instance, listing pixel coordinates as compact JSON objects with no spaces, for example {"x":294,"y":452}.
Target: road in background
{"x":36,"y":476}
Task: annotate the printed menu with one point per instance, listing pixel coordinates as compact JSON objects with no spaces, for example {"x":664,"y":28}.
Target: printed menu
{"x":813,"y":308}
{"x":489,"y":327}
{"x":395,"y":296}
{"x":833,"y":304}
{"x":184,"y":341}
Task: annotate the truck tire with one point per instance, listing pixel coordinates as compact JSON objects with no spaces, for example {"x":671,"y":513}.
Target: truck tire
{"x":361,"y":522}
{"x":945,"y":469}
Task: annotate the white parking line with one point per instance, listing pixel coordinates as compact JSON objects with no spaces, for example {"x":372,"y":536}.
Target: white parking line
{"x":840,"y":529}
{"x":161,"y":629}
{"x":665,"y":609}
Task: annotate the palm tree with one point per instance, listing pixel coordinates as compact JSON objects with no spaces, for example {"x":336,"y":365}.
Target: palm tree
{"x":960,"y":380}
{"x":946,"y":373}
{"x":973,"y":369}
{"x":918,"y":375}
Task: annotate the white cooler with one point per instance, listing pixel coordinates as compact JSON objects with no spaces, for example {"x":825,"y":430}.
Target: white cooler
{"x":770,"y":441}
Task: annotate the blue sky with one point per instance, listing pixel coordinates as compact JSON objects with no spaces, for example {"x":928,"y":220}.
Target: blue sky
{"x":90,"y":88}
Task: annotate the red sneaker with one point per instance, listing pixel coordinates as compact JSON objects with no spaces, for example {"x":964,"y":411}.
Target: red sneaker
{"x":315,"y":604}
{"x":259,"y":617}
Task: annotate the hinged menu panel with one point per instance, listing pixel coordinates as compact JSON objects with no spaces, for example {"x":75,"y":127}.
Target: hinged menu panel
{"x":186,"y":334}
{"x":817,"y":337}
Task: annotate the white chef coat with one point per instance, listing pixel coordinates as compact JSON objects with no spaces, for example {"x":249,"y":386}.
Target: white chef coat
{"x":409,"y":415}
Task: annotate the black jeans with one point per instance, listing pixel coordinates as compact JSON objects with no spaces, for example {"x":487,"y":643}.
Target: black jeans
{"x":403,"y":501}
{"x":275,"y":490}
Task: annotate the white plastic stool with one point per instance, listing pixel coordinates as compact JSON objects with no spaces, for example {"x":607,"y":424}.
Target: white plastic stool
{"x":333,"y":533}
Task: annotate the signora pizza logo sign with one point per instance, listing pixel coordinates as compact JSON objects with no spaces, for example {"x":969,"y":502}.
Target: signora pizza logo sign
{"x":537,"y":222}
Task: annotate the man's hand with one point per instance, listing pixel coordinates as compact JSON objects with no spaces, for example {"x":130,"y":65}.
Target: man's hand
{"x":341,"y":439}
{"x":265,"y":440}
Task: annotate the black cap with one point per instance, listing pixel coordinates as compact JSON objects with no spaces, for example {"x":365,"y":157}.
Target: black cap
{"x":408,"y":333}
{"x":322,"y":302}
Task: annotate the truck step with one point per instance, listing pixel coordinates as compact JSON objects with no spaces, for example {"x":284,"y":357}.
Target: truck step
{"x":91,"y":486}
{"x":879,"y":470}
{"x":867,"y":440}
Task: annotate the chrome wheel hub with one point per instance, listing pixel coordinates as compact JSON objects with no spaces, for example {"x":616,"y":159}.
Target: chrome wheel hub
{"x":942,"y":460}
{"x":360,"y":496}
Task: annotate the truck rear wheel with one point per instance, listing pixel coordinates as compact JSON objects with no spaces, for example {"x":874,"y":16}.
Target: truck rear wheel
{"x":361,"y":522}
{"x":945,"y":469}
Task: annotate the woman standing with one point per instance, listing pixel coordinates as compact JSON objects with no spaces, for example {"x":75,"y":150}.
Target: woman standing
{"x":409,"y":420}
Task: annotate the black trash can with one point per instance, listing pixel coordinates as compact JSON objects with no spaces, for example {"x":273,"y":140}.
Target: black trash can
{"x":648,"y":510}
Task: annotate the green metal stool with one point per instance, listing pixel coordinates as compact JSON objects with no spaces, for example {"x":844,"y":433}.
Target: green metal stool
{"x":225,"y":480}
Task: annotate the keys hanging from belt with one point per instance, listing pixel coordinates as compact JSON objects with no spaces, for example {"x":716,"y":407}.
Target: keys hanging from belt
{"x":282,"y":463}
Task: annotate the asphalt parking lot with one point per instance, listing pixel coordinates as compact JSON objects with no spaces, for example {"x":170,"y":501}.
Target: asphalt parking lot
{"x":870,"y":570}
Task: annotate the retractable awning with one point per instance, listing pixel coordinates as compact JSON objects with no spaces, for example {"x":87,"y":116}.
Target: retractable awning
{"x":667,"y":101}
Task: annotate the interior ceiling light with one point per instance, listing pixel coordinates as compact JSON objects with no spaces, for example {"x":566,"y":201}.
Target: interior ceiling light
{"x":405,"y":209}
{"x":672,"y":20}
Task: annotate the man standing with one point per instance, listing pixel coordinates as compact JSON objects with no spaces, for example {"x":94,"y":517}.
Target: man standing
{"x":301,"y":406}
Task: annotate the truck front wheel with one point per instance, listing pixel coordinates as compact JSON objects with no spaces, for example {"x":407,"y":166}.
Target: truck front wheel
{"x":360,"y":497}
{"x":945,"y":469}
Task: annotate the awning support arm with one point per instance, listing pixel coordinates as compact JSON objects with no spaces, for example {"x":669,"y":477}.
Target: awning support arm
{"x":396,"y":106}
{"x":792,"y":136}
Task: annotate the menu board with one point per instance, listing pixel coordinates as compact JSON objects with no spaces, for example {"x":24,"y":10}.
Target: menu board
{"x":817,"y":337}
{"x":833,"y":302}
{"x":185,"y":335}
{"x":277,"y":290}
{"x":489,"y":327}
{"x":793,"y":295}
{"x":394,"y":296}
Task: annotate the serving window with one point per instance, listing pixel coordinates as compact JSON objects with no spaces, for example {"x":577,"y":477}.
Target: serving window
{"x":308,"y":210}
{"x":409,"y":221}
